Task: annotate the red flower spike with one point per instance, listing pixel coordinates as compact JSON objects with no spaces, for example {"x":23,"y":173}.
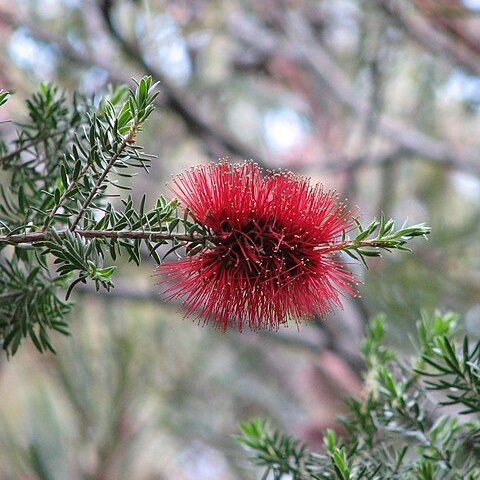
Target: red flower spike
{"x":265,"y":267}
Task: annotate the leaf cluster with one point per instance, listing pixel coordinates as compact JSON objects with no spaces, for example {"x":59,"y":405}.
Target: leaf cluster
{"x":397,"y":430}
{"x":282,"y":454}
{"x":453,"y":370}
{"x":4,"y":96}
{"x":29,"y":306}
{"x":381,"y":235}
{"x":62,"y":169}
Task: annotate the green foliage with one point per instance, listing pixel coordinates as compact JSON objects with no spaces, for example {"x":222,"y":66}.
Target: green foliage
{"x":381,"y":235}
{"x":29,"y":305}
{"x":74,"y":254}
{"x":59,"y":175}
{"x":395,"y":431}
{"x":455,"y":371}
{"x":4,"y":96}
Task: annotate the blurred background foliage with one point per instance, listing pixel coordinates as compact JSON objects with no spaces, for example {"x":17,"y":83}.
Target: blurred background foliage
{"x":378,"y":99}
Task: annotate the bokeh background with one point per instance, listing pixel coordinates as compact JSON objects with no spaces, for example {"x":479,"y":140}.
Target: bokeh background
{"x":378,"y":99}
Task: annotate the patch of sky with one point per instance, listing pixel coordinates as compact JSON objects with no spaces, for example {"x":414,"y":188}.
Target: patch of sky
{"x":461,"y":86}
{"x":284,"y":129}
{"x":472,"y":4}
{"x":76,"y":41}
{"x":93,"y":81}
{"x":203,"y":463}
{"x":28,"y":54}
{"x":165,"y":47}
{"x":50,"y":9}
{"x":342,"y":30}
{"x":466,"y":185}
{"x":472,"y":321}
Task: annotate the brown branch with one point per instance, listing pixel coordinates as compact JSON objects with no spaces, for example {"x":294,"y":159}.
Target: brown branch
{"x":102,"y":178}
{"x":66,"y":193}
{"x":153,"y":236}
{"x":31,"y":144}
{"x":178,"y":101}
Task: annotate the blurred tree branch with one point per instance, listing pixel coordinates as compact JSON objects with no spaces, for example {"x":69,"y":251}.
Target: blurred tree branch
{"x":216,"y":138}
{"x":63,"y":46}
{"x":327,"y":342}
{"x":431,"y":38}
{"x":217,"y":141}
{"x":301,"y":46}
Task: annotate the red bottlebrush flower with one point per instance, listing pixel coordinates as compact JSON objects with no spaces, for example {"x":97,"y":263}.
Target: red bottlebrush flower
{"x":265,"y":266}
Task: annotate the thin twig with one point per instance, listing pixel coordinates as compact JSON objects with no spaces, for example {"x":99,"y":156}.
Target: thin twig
{"x":32,"y":143}
{"x":42,"y":236}
{"x":101,"y":179}
{"x":9,"y":295}
{"x":67,"y":192}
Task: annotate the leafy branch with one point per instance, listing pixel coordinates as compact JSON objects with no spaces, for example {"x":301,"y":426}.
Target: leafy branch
{"x":60,"y":169}
{"x":128,"y":123}
{"x":360,"y":245}
{"x":455,"y":371}
{"x":154,"y":236}
{"x":281,"y":454}
{"x":29,"y":305}
{"x":377,"y":236}
{"x":393,"y":432}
